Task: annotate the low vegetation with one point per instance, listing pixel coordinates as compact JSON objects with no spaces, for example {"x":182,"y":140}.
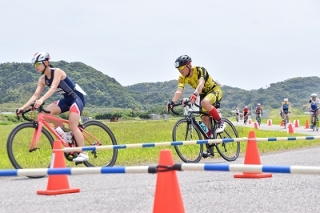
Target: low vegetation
{"x":130,"y":132}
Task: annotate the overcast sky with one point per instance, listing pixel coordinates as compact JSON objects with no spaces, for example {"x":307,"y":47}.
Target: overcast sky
{"x":245,"y":44}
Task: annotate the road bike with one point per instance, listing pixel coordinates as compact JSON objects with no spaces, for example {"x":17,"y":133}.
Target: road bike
{"x":237,"y":117}
{"x":188,"y":128}
{"x":315,"y":121}
{"x":245,"y":118}
{"x":258,"y":118}
{"x":285,"y":119}
{"x":29,"y":144}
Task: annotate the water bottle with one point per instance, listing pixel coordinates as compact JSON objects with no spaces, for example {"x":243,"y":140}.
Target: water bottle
{"x":68,"y":136}
{"x":204,"y":127}
{"x":60,"y":131}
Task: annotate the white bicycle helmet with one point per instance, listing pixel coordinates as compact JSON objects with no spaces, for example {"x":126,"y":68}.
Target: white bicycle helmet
{"x":313,"y":95}
{"x":40,"y":56}
{"x":286,"y":99}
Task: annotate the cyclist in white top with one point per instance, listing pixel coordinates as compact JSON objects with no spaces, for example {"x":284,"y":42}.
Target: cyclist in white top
{"x":314,"y":104}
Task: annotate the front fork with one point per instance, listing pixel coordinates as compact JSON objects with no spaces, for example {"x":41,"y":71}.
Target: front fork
{"x":36,"y":136}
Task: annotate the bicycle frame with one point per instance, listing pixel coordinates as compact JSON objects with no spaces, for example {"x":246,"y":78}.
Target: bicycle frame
{"x":42,"y":120}
{"x":314,"y":114}
{"x":190,"y":115}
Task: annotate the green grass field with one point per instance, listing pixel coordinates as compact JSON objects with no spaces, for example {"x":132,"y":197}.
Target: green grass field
{"x":130,"y":132}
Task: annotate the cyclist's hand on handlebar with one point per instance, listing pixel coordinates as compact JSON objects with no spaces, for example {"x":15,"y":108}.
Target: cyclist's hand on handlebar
{"x":38,"y":103}
{"x":19,"y":111}
{"x":169,"y":105}
{"x":193,"y":97}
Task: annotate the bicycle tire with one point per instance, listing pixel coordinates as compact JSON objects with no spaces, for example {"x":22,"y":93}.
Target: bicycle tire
{"x":104,"y":157}
{"x":183,"y":131}
{"x":18,"y":148}
{"x":228,"y":151}
{"x":314,"y":123}
{"x":259,"y":120}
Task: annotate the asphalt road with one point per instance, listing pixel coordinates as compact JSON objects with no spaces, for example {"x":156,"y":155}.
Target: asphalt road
{"x":301,"y":129}
{"x":201,"y":191}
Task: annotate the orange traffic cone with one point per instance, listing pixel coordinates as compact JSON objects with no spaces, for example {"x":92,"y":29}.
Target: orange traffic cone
{"x":167,"y":196}
{"x":290,"y":129}
{"x":282,"y":123}
{"x":307,"y":125}
{"x":57,"y":184}
{"x":252,"y":157}
{"x":249,"y":121}
{"x":296,"y":123}
{"x":256,"y":125}
{"x":269,"y":123}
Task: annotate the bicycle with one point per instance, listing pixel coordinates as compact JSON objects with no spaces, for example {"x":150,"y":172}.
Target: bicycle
{"x":285,"y":119}
{"x":188,"y":128}
{"x":25,"y":151}
{"x":258,"y":118}
{"x":245,"y":118}
{"x":237,"y":117}
{"x":315,"y":121}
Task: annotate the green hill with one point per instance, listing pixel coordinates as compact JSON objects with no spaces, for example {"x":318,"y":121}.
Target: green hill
{"x":18,"y":82}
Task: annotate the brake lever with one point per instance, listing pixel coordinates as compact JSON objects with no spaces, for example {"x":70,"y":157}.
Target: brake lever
{"x":18,"y":117}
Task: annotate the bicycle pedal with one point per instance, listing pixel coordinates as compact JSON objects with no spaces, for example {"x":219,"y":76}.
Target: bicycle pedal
{"x":78,"y":162}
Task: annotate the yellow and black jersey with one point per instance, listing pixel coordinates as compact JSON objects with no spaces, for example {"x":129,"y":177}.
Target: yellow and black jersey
{"x":193,"y":81}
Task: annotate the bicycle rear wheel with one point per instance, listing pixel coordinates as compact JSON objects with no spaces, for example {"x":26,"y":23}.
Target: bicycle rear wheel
{"x":183,"y":130}
{"x":229,"y":151}
{"x":18,"y":148}
{"x":96,"y":133}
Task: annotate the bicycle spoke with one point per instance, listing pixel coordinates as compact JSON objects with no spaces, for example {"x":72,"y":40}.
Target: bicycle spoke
{"x":97,"y":134}
{"x":229,"y":151}
{"x":184,"y":131}
{"x":19,"y":152}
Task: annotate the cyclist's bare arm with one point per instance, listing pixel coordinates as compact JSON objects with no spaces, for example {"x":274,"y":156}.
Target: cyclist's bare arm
{"x":200,"y":86}
{"x":36,"y":94}
{"x":177,"y":94}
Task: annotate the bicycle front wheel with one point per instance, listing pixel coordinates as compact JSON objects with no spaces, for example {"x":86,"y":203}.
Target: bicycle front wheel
{"x":21,"y":155}
{"x":96,"y":133}
{"x":228,"y":150}
{"x":183,"y":130}
{"x":315,"y":123}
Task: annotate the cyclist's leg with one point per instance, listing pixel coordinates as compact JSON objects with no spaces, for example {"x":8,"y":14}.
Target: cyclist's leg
{"x":75,"y":110}
{"x":209,"y":102}
{"x":74,"y":117}
{"x":56,"y":108}
{"x":207,"y":106}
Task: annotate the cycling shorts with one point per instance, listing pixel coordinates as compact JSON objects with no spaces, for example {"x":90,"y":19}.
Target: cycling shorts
{"x":74,"y":103}
{"x":214,"y":98}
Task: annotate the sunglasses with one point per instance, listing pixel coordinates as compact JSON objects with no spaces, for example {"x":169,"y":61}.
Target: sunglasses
{"x":37,"y":64}
{"x":181,"y":68}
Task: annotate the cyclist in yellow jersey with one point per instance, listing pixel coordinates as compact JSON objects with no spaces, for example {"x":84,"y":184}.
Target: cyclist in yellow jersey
{"x":209,"y":91}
